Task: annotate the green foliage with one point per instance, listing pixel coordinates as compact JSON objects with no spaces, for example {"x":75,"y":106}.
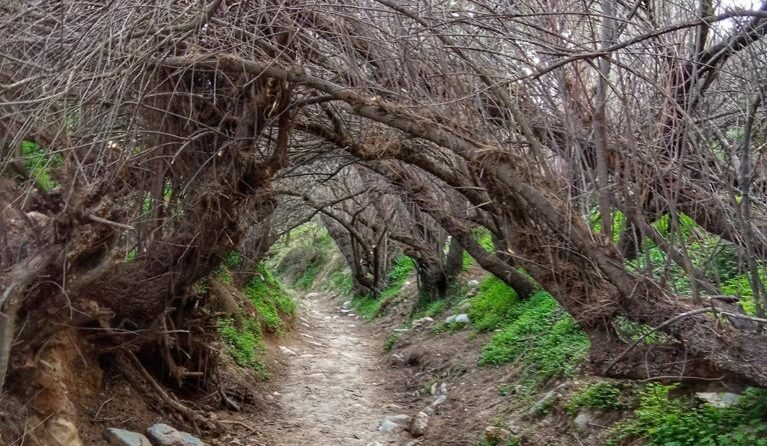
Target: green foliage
{"x":485,"y":239}
{"x":270,"y":299}
{"x":341,"y":282}
{"x":366,"y":306}
{"x":604,"y":396}
{"x":536,"y":331}
{"x":369,"y":307}
{"x":494,"y":305}
{"x":233,"y":260}
{"x":740,"y":286}
{"x":619,"y":223}
{"x":245,"y":344}
{"x":664,"y":421}
{"x":540,"y":334}
{"x":400,"y":270}
{"x":716,"y":258}
{"x":390,"y":342}
{"x":301,"y":255}
{"x":432,"y":308}
{"x":39,"y":163}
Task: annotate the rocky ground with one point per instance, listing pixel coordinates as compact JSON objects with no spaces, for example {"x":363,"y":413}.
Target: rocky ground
{"x":339,"y":389}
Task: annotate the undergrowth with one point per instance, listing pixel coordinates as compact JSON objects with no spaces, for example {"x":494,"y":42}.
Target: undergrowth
{"x":273,"y":307}
{"x":390,"y":342}
{"x":272,"y":302}
{"x":537,"y":332}
{"x":663,"y":421}
{"x":245,"y":344}
{"x":603,"y":396}
{"x":39,"y":163}
{"x":485,"y":240}
{"x":369,"y":307}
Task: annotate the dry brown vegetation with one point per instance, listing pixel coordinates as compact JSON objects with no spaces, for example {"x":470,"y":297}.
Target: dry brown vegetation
{"x":174,"y":132}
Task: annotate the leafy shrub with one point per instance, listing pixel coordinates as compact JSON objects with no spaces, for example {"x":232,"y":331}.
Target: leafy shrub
{"x":494,"y":305}
{"x":244,"y":344}
{"x":39,"y":163}
{"x":604,"y":396}
{"x":740,"y":286}
{"x":543,"y":336}
{"x":270,"y":299}
{"x":233,"y":260}
{"x":663,"y":421}
{"x":400,"y":270}
{"x":369,"y":307}
{"x":619,"y":223}
{"x":366,"y":306}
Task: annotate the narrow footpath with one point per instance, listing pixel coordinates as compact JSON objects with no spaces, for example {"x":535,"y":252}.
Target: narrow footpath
{"x":333,"y":394}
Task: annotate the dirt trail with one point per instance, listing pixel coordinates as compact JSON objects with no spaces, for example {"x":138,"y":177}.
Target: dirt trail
{"x":333,"y":394}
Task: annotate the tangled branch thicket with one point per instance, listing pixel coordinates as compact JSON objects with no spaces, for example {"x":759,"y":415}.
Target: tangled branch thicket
{"x":167,"y":127}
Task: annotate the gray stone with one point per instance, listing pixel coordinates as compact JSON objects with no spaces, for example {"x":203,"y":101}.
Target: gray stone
{"x":542,"y":405}
{"x":442,"y":389}
{"x":401,"y":330}
{"x":122,"y":437}
{"x":387,"y":426}
{"x":163,"y":435}
{"x":347,"y":305}
{"x":351,"y":314}
{"x":413,"y":443}
{"x":472,"y":284}
{"x":428,"y":411}
{"x":464,"y":305}
{"x":286,"y":351}
{"x":719,"y":400}
{"x":439,"y":400}
{"x":312,"y":295}
{"x":345,"y":311}
{"x":462,"y":318}
{"x":583,"y":420}
{"x":419,"y":424}
{"x":402,"y":419}
{"x":424,"y":321}
{"x":374,"y":443}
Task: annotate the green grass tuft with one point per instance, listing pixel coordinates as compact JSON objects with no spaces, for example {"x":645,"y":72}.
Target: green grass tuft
{"x":244,"y":344}
{"x":390,"y":342}
{"x":369,"y":307}
{"x":39,"y":163}
{"x":604,"y":396}
{"x":270,"y":299}
{"x":539,"y":333}
{"x":494,"y":305}
{"x":663,"y":421}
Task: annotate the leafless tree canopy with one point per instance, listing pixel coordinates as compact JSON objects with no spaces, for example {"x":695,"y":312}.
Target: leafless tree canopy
{"x":177,"y":130}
